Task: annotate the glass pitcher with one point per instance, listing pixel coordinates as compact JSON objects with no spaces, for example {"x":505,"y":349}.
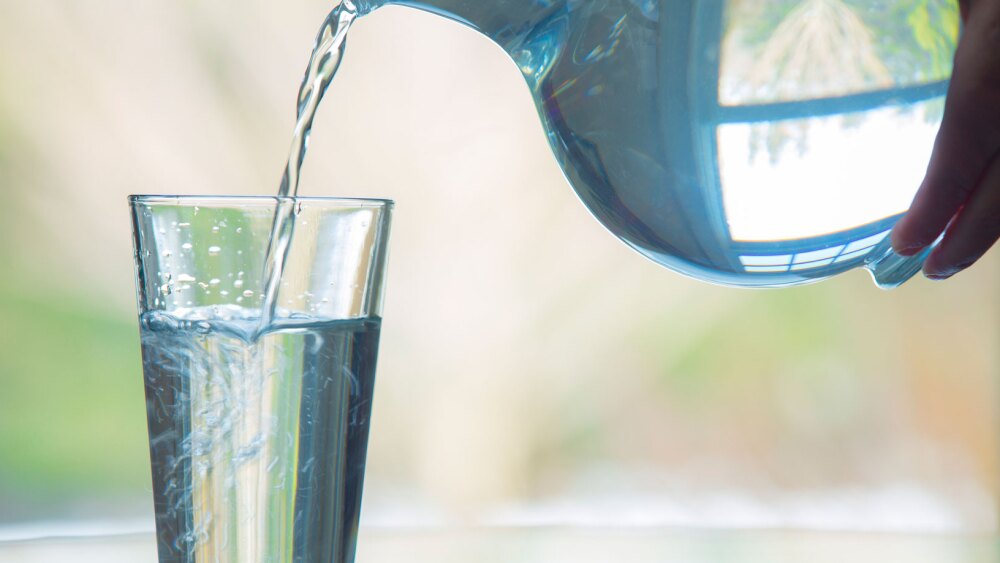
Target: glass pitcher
{"x":755,"y":143}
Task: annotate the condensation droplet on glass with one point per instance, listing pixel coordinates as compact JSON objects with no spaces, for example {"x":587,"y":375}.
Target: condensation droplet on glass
{"x":214,"y":281}
{"x":238,"y":284}
{"x":215,"y":230}
{"x":223,"y":292}
{"x":248,"y":293}
{"x":214,"y":250}
{"x":186,"y":246}
{"x":239,"y":230}
{"x":186,"y":278}
{"x":183,"y":225}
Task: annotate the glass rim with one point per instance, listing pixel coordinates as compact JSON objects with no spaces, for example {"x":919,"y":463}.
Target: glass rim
{"x":181,"y":200}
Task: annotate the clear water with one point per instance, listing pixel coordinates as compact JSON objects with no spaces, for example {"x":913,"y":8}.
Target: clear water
{"x":749,"y":142}
{"x":323,"y":64}
{"x":258,"y":439}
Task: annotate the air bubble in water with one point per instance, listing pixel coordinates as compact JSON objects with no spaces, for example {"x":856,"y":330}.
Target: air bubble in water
{"x":238,"y":284}
{"x":248,"y":293}
{"x":214,"y":281}
{"x":186,"y":246}
{"x":183,"y":225}
{"x":186,"y":278}
{"x":214,"y":250}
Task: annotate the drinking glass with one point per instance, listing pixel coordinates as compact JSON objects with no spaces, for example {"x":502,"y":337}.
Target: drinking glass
{"x":258,"y":424}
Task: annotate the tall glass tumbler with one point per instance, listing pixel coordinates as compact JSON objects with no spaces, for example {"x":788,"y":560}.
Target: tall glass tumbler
{"x":258,"y":429}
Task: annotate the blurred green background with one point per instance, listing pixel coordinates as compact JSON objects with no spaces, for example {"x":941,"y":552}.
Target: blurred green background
{"x":533,"y":369}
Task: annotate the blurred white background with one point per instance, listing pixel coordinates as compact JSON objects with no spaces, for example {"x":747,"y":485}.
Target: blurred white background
{"x":533,"y":369}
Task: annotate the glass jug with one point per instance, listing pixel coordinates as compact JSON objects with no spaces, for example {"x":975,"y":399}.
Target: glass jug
{"x":755,"y":143}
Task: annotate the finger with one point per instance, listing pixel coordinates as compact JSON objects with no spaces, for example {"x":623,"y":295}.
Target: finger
{"x":955,"y":167}
{"x":973,"y":231}
{"x":969,"y":135}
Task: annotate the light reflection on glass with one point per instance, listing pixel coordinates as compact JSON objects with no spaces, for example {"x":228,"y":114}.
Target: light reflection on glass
{"x":836,"y":172}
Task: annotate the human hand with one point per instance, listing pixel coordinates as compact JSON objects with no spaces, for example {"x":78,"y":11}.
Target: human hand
{"x":960,"y":194}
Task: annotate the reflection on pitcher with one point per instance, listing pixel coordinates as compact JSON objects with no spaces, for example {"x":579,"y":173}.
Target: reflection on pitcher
{"x":743,"y":142}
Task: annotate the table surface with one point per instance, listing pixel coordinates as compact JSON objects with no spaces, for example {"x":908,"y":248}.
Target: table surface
{"x":576,"y":545}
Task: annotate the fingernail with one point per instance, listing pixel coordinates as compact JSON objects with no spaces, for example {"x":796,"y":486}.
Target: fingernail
{"x":938,"y":274}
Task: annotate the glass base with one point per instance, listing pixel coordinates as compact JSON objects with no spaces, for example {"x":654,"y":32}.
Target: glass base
{"x":890,"y":269}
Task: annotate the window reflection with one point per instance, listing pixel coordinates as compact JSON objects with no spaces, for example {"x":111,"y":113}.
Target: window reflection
{"x":807,"y":260}
{"x":842,"y":172}
{"x":783,"y":50}
{"x":822,"y":107}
